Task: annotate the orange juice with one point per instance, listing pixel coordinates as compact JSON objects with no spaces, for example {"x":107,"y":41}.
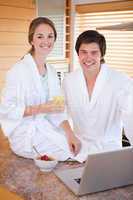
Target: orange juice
{"x":58,"y":99}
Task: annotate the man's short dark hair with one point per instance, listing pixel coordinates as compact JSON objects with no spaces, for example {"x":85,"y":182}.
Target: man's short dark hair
{"x":90,"y":36}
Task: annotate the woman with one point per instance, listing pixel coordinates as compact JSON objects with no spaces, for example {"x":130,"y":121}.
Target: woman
{"x":29,"y":117}
{"x":104,"y":104}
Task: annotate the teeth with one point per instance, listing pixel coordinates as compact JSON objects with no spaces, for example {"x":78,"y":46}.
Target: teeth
{"x":88,"y":64}
{"x":44,"y":47}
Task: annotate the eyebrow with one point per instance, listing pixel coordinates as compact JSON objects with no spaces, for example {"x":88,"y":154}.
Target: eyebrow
{"x":82,"y":50}
{"x":43,"y":34}
{"x":87,"y":50}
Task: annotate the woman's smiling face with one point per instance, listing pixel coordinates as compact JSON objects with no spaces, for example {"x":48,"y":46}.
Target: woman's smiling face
{"x":43,"y":39}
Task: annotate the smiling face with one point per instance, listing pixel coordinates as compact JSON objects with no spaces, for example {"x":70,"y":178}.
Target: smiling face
{"x":90,"y":57}
{"x":43,"y":40}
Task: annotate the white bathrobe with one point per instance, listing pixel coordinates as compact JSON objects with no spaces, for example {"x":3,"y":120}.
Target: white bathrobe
{"x":23,"y":88}
{"x":98,"y":121}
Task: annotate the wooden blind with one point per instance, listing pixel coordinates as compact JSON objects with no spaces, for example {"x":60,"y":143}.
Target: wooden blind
{"x":62,"y":23}
{"x":119,"y":53}
{"x":15,"y":17}
{"x":59,"y":46}
{"x":68,"y":24}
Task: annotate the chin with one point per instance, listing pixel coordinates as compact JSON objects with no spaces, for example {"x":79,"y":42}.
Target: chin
{"x":44,"y":54}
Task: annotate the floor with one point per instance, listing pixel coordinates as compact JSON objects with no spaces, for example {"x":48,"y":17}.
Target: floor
{"x":23,"y":177}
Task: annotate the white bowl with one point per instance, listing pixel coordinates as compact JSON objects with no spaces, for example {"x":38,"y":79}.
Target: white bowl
{"x":45,"y":166}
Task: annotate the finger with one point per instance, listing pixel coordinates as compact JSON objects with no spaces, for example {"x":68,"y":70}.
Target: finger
{"x":60,"y":109}
{"x":73,"y":149}
{"x":77,"y":148}
{"x":49,"y":102}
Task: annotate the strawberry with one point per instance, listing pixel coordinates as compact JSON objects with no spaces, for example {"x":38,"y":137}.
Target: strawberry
{"x":45,"y":157}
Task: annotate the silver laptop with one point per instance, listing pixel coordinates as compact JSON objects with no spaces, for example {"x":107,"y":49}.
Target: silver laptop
{"x":102,"y":171}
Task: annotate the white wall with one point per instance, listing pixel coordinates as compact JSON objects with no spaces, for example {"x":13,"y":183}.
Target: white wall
{"x":47,"y":7}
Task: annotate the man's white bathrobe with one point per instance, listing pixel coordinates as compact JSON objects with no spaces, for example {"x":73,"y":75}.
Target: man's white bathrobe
{"x":23,"y":88}
{"x":98,"y":121}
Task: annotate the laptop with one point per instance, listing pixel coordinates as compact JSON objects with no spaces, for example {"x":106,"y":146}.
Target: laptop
{"x":102,"y":171}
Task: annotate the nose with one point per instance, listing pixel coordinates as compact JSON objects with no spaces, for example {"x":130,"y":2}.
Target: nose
{"x":45,"y":40}
{"x":88,"y":56}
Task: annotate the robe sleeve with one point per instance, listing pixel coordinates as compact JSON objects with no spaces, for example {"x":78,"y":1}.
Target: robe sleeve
{"x":12,"y":104}
{"x":125,"y":101}
{"x":64,"y":89}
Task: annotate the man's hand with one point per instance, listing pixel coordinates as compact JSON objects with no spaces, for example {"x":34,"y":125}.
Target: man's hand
{"x":74,"y":144}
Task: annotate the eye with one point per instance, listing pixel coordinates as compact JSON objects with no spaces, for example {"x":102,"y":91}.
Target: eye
{"x":82,"y":52}
{"x":50,"y":36}
{"x":94,"y":52}
{"x":40,"y":37}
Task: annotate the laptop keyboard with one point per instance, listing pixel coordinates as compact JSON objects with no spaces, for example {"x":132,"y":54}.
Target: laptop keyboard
{"x":78,"y":180}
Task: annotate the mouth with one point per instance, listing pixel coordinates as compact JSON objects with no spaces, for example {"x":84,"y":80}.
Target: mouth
{"x":88,"y":64}
{"x":45,"y":47}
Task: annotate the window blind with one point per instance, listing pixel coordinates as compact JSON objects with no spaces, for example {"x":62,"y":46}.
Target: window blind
{"x":119,"y":54}
{"x":58,"y":51}
{"x":56,"y":12}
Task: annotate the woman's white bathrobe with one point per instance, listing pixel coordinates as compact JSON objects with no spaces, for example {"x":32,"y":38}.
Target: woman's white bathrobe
{"x":98,"y":121}
{"x":23,"y":88}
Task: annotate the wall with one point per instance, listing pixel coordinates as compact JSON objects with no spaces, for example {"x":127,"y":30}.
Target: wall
{"x":55,"y":10}
{"x":15,"y":16}
{"x":91,"y":1}
{"x":45,"y":8}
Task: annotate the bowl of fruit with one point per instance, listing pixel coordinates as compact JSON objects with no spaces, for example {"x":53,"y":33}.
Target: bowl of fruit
{"x":45,"y":163}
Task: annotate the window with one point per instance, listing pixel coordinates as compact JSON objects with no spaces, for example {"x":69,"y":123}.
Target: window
{"x":115,"y":21}
{"x":55,"y":10}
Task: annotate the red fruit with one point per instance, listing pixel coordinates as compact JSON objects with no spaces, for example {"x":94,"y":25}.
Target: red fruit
{"x":45,"y":157}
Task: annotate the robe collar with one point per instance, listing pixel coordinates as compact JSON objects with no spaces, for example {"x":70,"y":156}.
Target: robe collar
{"x":33,"y":71}
{"x":98,"y":87}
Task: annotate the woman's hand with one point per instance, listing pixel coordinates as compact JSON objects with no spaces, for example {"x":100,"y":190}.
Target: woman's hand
{"x":52,"y":107}
{"x":74,"y":143}
{"x":49,"y":107}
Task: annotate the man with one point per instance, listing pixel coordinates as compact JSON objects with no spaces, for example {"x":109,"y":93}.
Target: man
{"x":99,"y":99}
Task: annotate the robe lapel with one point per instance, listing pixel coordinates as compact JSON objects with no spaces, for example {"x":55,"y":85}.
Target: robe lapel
{"x":53,"y":82}
{"x":99,"y":86}
{"x":50,"y":82}
{"x":81,"y":88}
{"x":33,"y":72}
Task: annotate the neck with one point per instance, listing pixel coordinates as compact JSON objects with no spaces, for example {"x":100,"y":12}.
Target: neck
{"x":40,"y":63}
{"x":91,"y":76}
